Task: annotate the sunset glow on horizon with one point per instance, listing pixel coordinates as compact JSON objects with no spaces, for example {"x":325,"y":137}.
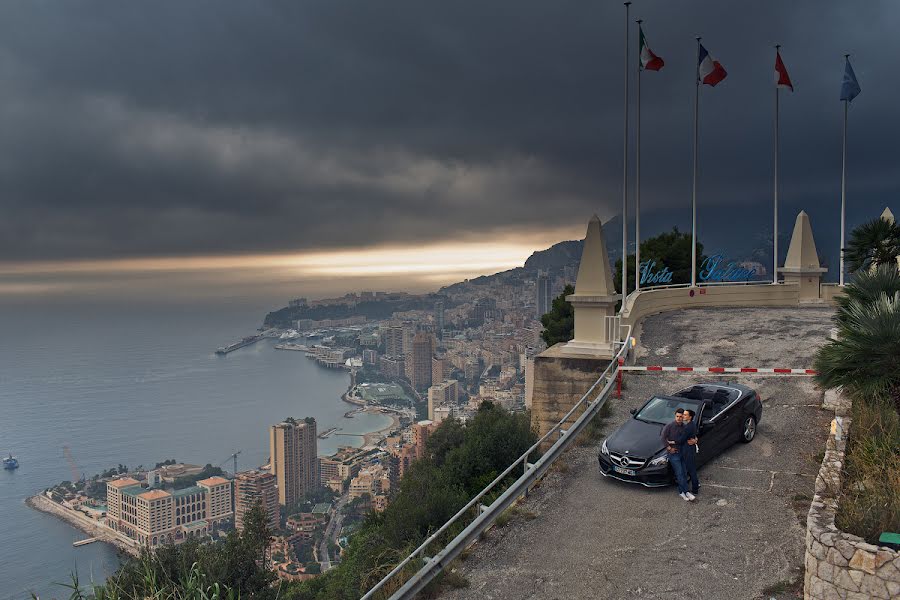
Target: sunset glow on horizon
{"x":397,"y":267}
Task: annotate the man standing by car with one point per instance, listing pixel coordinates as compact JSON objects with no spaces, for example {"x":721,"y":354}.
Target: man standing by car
{"x":673,"y":439}
{"x":689,"y":451}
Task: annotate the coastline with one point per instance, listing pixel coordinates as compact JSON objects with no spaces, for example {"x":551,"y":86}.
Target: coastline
{"x":82,"y":523}
{"x":371,"y":438}
{"x":374,"y":437}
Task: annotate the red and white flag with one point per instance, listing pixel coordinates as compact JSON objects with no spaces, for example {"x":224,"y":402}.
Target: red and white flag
{"x":782,"y":80}
{"x":710,"y":70}
{"x":649,"y":61}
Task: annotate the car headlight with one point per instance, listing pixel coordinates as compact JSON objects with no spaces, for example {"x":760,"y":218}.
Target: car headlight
{"x":660,"y":460}
{"x":604,"y":449}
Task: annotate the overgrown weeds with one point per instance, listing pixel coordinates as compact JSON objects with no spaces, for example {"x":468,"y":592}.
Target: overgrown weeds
{"x":593,"y":432}
{"x":870,"y":499}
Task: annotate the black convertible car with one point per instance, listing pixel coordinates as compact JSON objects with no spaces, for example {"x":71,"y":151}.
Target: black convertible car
{"x":725,"y":413}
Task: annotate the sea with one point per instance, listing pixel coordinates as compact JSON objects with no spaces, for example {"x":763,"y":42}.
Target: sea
{"x":136,"y":383}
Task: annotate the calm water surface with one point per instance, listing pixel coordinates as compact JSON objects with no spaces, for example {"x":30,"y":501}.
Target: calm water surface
{"x":136,"y":385}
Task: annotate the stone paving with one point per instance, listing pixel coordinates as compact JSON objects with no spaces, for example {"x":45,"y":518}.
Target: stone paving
{"x":581,"y":536}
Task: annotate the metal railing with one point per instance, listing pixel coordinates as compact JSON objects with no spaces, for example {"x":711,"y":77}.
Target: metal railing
{"x":531,"y":473}
{"x":613,"y":328}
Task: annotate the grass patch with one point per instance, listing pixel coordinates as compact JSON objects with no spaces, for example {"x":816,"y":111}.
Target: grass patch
{"x":593,"y":432}
{"x":560,"y":465}
{"x":514,"y":512}
{"x":870,"y":498}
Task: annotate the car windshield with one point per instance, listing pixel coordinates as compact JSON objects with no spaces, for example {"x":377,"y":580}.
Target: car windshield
{"x":662,"y":410}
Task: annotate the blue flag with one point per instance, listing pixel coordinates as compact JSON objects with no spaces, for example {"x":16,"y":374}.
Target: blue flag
{"x":849,"y":86}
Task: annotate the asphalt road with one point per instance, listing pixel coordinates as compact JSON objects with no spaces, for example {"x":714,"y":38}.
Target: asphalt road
{"x":332,"y":532}
{"x":582,"y":536}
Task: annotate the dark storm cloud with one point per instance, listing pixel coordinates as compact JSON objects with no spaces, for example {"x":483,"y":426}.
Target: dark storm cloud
{"x":205,"y":127}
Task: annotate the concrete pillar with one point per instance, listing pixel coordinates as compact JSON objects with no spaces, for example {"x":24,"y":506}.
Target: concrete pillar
{"x":594,"y":299}
{"x":801,"y":266}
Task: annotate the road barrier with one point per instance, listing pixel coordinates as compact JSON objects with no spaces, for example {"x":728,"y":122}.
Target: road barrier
{"x":486,"y":515}
{"x":746,"y":370}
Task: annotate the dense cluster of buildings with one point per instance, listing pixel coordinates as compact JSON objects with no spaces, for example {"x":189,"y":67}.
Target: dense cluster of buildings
{"x":476,"y":344}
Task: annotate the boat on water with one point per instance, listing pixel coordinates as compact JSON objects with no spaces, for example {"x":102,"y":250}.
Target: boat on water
{"x":291,"y":334}
{"x":10,"y":463}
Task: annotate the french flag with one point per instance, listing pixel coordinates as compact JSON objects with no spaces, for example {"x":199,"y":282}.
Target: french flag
{"x":710,"y":70}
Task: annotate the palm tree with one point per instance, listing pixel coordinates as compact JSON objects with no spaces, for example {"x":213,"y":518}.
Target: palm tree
{"x":874,"y":243}
{"x":865,"y":359}
{"x":867,"y":286}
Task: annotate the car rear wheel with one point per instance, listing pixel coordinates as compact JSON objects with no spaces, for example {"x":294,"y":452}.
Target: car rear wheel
{"x":748,"y":431}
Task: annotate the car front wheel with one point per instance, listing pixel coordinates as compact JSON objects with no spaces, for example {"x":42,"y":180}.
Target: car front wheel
{"x":748,"y":431}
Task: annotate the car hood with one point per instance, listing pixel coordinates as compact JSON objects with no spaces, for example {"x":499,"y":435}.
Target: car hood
{"x":638,"y":438}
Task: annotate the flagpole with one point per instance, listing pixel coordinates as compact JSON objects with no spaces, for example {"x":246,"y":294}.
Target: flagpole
{"x":637,"y":180}
{"x":775,"y":227}
{"x":625,"y":171}
{"x":694,"y":194}
{"x":844,"y":183}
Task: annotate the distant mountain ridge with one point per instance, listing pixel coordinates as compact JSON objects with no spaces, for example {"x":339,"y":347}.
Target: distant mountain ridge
{"x":556,"y":257}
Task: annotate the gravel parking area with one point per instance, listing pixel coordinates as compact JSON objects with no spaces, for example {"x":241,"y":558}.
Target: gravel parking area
{"x":579,"y":535}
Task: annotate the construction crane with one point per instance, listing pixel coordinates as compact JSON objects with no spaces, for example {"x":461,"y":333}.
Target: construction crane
{"x":233,"y":456}
{"x":72,"y":466}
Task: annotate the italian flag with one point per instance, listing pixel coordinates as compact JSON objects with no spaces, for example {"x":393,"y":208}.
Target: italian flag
{"x":649,"y":61}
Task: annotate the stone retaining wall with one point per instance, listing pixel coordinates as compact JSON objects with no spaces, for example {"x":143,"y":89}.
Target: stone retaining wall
{"x":840,"y":565}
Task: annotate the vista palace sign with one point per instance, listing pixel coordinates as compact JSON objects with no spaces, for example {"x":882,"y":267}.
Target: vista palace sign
{"x":713,"y":269}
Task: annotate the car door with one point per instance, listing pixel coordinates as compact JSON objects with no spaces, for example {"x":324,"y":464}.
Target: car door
{"x":709,"y":438}
{"x":729,"y":422}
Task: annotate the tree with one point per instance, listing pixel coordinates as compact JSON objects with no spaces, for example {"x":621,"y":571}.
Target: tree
{"x":671,"y":249}
{"x":874,"y":243}
{"x":559,"y":323}
{"x":865,"y":358}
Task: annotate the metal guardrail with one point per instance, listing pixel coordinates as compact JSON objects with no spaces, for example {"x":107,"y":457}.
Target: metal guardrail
{"x":531,"y":473}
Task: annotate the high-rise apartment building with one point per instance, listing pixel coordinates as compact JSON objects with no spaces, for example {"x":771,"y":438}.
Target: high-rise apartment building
{"x":485,"y":309}
{"x":251,"y":487}
{"x":393,"y":340}
{"x":439,"y":319}
{"x":445,"y":393}
{"x":294,"y":458}
{"x":440,"y":368}
{"x":418,"y":364}
{"x":421,"y":431}
{"x":544,"y":300}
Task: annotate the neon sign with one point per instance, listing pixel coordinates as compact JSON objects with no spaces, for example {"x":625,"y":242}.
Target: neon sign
{"x":712,"y":269}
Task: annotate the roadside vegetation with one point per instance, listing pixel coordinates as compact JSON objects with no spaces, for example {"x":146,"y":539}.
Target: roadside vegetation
{"x":461,"y":460}
{"x":864,"y":361}
{"x":225,"y":570}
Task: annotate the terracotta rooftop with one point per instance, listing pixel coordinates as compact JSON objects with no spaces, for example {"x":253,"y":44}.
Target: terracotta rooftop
{"x":124,"y":482}
{"x":213,"y":481}
{"x":154,"y":495}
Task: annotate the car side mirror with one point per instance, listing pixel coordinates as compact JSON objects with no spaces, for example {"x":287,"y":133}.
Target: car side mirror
{"x":633,"y":411}
{"x":706,"y":425}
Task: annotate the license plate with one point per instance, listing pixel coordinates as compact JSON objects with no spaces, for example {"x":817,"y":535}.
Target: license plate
{"x":624,"y":471}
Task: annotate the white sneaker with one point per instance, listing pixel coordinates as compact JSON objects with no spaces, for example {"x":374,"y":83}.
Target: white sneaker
{"x":684,"y":497}
{"x":690,"y":496}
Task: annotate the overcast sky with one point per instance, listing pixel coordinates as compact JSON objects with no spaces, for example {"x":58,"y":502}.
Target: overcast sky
{"x":169,"y":128}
